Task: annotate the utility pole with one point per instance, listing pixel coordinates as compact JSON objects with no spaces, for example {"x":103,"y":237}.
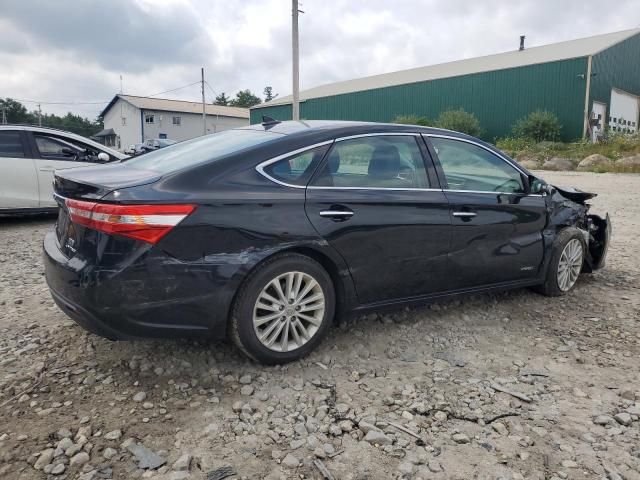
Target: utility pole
{"x":121,"y":85}
{"x":4,"y":115}
{"x":295,"y":107}
{"x":204,"y":114}
{"x":39,"y":115}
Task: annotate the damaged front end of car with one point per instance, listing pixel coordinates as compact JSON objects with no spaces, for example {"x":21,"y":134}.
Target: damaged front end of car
{"x":567,"y":207}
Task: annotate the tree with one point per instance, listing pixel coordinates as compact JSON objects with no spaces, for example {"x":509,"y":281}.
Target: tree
{"x":221,"y":99}
{"x":245,"y":99}
{"x":460,"y":121}
{"x":539,"y":126}
{"x":268,"y":94}
{"x":15,"y":111}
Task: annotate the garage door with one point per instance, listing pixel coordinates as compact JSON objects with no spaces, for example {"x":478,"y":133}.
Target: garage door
{"x":623,"y":116}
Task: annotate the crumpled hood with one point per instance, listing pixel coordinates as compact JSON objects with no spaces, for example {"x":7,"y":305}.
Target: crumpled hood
{"x":574,"y":194}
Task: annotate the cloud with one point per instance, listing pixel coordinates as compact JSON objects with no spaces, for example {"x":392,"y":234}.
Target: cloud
{"x":76,"y":50}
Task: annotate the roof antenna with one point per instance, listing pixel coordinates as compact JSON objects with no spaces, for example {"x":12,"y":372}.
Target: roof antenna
{"x":268,"y":121}
{"x":522,"y":37}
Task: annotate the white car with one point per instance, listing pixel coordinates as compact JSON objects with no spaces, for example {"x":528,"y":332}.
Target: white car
{"x":29,"y":156}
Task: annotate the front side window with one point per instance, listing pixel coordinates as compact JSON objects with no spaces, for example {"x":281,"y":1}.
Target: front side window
{"x":382,"y":161}
{"x":296,"y":170}
{"x":50,"y":147}
{"x":177,"y":121}
{"x":470,"y":167}
{"x":54,"y":148}
{"x":11,"y":145}
{"x":149,"y":118}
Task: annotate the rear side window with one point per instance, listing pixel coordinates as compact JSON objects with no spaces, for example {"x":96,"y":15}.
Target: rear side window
{"x":374,"y":162}
{"x":11,"y":145}
{"x":200,"y":150}
{"x":296,"y":170}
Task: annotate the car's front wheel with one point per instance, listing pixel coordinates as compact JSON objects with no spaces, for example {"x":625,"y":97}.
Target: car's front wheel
{"x":565,"y":265}
{"x":283,"y":309}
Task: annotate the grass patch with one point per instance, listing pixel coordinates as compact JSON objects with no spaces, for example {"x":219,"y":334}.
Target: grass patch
{"x":615,"y":147}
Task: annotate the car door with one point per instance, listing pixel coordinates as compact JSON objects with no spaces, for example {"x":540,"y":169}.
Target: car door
{"x":377,"y":202}
{"x":18,"y":177}
{"x":56,"y":153}
{"x":497,"y":223}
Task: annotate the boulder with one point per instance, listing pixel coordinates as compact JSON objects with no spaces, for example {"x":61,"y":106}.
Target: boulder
{"x":629,"y":164}
{"x":558,"y":164}
{"x":595,"y":162}
{"x":530,"y":164}
{"x":528,"y":161}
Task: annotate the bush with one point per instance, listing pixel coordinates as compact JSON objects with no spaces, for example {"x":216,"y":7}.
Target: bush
{"x":539,"y":126}
{"x":413,"y":120}
{"x":459,"y":121}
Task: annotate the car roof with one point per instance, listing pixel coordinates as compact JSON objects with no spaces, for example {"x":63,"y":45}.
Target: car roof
{"x":343,"y":127}
{"x":63,"y":133}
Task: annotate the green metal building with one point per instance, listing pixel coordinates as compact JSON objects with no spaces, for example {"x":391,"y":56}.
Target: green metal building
{"x":596,"y":77}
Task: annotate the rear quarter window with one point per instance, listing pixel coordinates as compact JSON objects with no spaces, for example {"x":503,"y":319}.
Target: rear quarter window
{"x":296,"y":169}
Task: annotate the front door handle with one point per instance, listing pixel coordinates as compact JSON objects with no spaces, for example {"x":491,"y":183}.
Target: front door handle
{"x":464,"y":214}
{"x":337,"y":215}
{"x":47,"y":168}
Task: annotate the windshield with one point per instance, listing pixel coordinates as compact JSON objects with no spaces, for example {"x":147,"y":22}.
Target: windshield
{"x":199,"y":150}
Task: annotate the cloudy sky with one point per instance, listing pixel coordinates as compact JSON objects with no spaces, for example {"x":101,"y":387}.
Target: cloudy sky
{"x":75,"y":51}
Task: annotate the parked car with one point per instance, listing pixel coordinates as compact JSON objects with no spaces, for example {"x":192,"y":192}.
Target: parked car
{"x":136,"y":149}
{"x":28,"y":157}
{"x":156,"y":143}
{"x":267,"y":233}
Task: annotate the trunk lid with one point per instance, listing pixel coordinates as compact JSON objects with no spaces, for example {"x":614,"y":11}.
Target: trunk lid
{"x":93,"y":183}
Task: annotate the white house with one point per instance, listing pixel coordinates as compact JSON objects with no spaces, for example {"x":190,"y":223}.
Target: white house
{"x":129,"y":120}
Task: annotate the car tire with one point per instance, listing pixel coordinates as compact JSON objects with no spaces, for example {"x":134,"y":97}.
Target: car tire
{"x":304,"y":322}
{"x":565,"y":244}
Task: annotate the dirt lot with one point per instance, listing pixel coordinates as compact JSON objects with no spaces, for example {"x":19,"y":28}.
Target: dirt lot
{"x":570,"y":367}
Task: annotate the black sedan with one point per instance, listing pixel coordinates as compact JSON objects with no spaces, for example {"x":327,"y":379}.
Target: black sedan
{"x":266,"y":234}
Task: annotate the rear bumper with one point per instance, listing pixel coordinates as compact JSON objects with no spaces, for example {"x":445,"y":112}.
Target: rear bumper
{"x":150,"y":296}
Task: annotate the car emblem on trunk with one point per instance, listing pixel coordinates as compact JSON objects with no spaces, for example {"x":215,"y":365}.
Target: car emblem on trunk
{"x":70,"y":242}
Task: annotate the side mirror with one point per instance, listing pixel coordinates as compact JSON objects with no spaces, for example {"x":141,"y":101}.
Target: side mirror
{"x":103,"y":157}
{"x":537,"y":186}
{"x":68,"y":152}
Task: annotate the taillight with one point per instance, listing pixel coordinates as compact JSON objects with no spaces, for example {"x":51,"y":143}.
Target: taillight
{"x":148,"y":223}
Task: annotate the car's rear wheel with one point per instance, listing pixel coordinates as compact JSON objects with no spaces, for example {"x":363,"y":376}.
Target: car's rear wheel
{"x":565,"y":265}
{"x":283,"y":309}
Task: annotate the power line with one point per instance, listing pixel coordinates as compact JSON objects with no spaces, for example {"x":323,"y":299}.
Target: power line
{"x":174,"y":89}
{"x":210,"y":88}
{"x":42,"y":102}
{"x":58,"y":103}
{"x":212,"y":91}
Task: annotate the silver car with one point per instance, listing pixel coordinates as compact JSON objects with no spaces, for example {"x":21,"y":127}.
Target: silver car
{"x":28,"y":157}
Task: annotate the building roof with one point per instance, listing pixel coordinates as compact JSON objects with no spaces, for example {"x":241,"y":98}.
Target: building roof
{"x":582,"y":47}
{"x":105,"y":133}
{"x":167,"y":105}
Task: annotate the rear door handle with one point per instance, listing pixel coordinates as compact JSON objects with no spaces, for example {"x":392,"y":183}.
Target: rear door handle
{"x":47,"y":168}
{"x":464,"y":214}
{"x":337,"y":215}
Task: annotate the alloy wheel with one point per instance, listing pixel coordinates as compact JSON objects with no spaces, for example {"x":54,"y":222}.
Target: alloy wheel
{"x":289,"y":311}
{"x":570,"y":264}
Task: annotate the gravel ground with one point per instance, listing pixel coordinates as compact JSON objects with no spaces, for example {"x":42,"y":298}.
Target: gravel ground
{"x":505,"y":386}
